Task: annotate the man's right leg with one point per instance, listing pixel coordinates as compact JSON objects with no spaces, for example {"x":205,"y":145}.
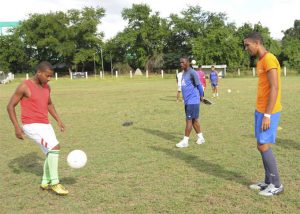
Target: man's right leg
{"x":46,"y":180}
{"x":213,"y":90}
{"x":185,"y":141}
{"x":216,"y":90}
{"x":178,"y":96}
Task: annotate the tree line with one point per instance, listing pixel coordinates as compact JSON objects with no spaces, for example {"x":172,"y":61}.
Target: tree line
{"x":71,"y":40}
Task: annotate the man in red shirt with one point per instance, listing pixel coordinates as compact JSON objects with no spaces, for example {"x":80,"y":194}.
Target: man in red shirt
{"x":34,"y":95}
{"x":201,"y":76}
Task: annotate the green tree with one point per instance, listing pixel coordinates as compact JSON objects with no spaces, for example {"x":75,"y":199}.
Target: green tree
{"x":141,"y":43}
{"x":12,"y":55}
{"x":43,"y":35}
{"x":62,"y":37}
{"x":83,"y":31}
{"x":291,"y":46}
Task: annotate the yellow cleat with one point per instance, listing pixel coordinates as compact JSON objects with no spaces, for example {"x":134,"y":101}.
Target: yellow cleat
{"x":45,"y":186}
{"x":59,"y":189}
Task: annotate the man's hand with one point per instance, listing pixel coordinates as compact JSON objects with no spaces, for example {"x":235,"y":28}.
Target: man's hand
{"x":61,"y":126}
{"x":19,"y":133}
{"x":265,"y":123}
{"x":201,"y":99}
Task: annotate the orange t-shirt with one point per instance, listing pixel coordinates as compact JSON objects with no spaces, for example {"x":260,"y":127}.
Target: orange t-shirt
{"x":265,"y":64}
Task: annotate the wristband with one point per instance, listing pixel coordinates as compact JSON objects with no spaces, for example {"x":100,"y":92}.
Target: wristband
{"x":267,"y":115}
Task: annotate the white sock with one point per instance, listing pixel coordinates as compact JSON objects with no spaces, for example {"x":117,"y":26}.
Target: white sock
{"x":186,"y":139}
{"x":214,"y":94}
{"x":200,"y":135}
{"x":217,"y":94}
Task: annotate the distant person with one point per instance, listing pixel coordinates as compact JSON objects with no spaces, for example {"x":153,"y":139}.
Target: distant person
{"x":267,"y":114}
{"x":214,"y":81}
{"x":192,"y":92}
{"x":34,"y":96}
{"x":178,"y":79}
{"x":201,"y":75}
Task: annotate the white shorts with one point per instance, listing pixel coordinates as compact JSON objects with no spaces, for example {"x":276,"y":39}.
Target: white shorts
{"x":42,"y":134}
{"x":179,"y":88}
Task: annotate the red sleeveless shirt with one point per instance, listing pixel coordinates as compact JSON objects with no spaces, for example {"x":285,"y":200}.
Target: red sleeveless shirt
{"x":35,"y":108}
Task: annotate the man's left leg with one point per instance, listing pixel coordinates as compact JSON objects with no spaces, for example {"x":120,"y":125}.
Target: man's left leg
{"x":50,"y":142}
{"x":53,"y":157}
{"x":272,"y":185}
{"x":275,"y":186}
{"x":197,"y":128}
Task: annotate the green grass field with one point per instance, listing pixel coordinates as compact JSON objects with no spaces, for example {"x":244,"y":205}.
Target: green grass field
{"x":137,"y":169}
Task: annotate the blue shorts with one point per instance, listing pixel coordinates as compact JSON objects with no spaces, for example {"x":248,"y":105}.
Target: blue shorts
{"x":268,"y":136}
{"x":214,"y":84}
{"x":192,"y":111}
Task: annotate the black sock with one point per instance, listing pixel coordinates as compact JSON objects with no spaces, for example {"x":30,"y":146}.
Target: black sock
{"x":271,"y":166}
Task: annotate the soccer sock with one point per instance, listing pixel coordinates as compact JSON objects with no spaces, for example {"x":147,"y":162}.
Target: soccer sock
{"x":267,"y":173}
{"x":200,"y":135}
{"x":217,"y":94}
{"x":53,"y":166}
{"x":186,"y":139}
{"x":46,"y":173}
{"x":271,"y":165}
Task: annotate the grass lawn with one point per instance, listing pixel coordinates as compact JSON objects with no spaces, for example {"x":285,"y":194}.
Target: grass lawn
{"x":137,"y":169}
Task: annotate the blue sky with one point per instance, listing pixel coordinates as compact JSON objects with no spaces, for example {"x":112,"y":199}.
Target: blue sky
{"x":277,"y":15}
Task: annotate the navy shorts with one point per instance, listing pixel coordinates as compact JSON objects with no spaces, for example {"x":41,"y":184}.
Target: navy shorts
{"x":192,"y":111}
{"x":269,"y":135}
{"x":214,"y":84}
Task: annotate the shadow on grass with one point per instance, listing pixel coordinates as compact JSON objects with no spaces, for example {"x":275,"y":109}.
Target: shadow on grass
{"x":68,"y":180}
{"x":288,"y":144}
{"x":169,"y":98}
{"x":205,"y":166}
{"x":164,"y":135}
{"x":30,"y":162}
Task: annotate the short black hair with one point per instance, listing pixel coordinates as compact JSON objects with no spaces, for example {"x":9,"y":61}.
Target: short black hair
{"x":185,"y":57}
{"x":255,"y":36}
{"x":43,"y":66}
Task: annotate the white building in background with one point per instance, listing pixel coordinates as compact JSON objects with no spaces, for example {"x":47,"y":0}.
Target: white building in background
{"x":6,"y":26}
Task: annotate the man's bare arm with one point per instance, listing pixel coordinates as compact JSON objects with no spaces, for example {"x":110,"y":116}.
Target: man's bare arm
{"x":273,"y":80}
{"x":15,"y":99}
{"x":52,"y":111}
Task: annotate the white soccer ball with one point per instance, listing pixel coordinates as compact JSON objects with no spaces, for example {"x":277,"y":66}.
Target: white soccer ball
{"x":193,"y":62}
{"x":229,"y":90}
{"x":77,"y":159}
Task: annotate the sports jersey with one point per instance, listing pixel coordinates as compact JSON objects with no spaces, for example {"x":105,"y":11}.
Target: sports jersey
{"x":213,"y":76}
{"x":201,"y":76}
{"x":264,"y":65}
{"x":189,"y":84}
{"x":35,"y":108}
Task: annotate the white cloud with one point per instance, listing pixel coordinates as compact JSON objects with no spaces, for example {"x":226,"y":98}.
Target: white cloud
{"x":277,"y":15}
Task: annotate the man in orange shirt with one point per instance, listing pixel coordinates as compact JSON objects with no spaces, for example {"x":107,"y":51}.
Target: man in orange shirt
{"x":267,"y":112}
